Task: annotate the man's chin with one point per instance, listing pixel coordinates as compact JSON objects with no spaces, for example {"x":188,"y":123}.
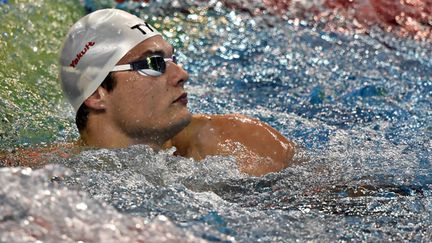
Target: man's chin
{"x":181,"y":123}
{"x":186,"y":120}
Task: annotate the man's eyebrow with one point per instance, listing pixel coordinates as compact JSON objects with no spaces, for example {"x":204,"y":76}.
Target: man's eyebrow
{"x":153,"y":53}
{"x":150,"y":53}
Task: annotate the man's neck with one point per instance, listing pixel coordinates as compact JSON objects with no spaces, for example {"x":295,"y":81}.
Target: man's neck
{"x":104,"y":135}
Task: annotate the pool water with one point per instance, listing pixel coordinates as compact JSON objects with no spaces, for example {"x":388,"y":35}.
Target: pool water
{"x":358,"y":105}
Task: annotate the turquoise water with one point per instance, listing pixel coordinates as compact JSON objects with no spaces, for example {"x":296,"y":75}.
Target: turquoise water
{"x":357,"y":105}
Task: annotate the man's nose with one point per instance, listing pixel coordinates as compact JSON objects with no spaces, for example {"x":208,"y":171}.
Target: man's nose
{"x":177,"y":75}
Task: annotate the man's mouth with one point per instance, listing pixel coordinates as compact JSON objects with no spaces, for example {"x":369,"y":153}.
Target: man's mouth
{"x":182,"y":99}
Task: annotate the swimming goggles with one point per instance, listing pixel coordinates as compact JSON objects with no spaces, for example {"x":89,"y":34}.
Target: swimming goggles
{"x":150,"y":66}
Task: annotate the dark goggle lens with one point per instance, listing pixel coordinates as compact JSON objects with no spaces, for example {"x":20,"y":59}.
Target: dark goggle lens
{"x":156,"y":63}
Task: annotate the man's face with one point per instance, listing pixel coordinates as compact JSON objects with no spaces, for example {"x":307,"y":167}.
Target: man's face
{"x":149,"y":107}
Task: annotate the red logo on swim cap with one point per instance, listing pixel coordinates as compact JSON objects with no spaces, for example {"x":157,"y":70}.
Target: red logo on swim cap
{"x":82,"y":53}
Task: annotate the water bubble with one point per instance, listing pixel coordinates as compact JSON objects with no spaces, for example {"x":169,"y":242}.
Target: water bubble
{"x":26,"y":171}
{"x":81,"y":206}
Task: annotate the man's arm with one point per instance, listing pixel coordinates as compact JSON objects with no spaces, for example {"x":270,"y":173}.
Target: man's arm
{"x":258,"y":148}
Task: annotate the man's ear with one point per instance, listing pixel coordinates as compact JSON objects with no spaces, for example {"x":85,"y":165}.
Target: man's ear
{"x":98,"y":99}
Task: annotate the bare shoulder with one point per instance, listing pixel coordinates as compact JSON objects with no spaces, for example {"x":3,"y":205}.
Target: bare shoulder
{"x":243,"y":128}
{"x":226,"y":122}
{"x":223,"y":117}
{"x":258,"y":147}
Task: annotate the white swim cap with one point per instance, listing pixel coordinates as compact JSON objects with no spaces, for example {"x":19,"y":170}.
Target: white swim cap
{"x":93,"y":47}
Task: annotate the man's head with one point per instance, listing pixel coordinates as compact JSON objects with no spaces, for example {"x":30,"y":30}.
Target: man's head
{"x":121,"y":71}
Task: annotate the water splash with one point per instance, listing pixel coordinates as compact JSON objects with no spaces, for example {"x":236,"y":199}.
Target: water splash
{"x":358,"y":106}
{"x":30,"y":212}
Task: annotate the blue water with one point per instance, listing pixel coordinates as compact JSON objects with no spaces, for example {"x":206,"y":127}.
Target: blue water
{"x":357,"y":105}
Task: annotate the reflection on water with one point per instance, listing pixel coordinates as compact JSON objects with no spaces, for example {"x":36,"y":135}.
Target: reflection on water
{"x":359,"y":106}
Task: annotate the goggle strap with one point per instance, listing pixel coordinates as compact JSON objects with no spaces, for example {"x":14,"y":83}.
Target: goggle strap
{"x":124,"y":67}
{"x":150,"y":63}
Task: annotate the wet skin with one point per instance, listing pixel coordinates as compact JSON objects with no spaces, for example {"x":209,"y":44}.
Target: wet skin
{"x":153,"y":111}
{"x":140,"y":109}
{"x":257,"y":147}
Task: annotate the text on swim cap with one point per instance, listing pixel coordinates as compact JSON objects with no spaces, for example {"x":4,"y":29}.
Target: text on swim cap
{"x":138,"y":26}
{"x":81,"y":53}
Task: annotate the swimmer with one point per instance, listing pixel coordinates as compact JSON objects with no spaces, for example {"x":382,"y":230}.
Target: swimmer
{"x":126,"y":87}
